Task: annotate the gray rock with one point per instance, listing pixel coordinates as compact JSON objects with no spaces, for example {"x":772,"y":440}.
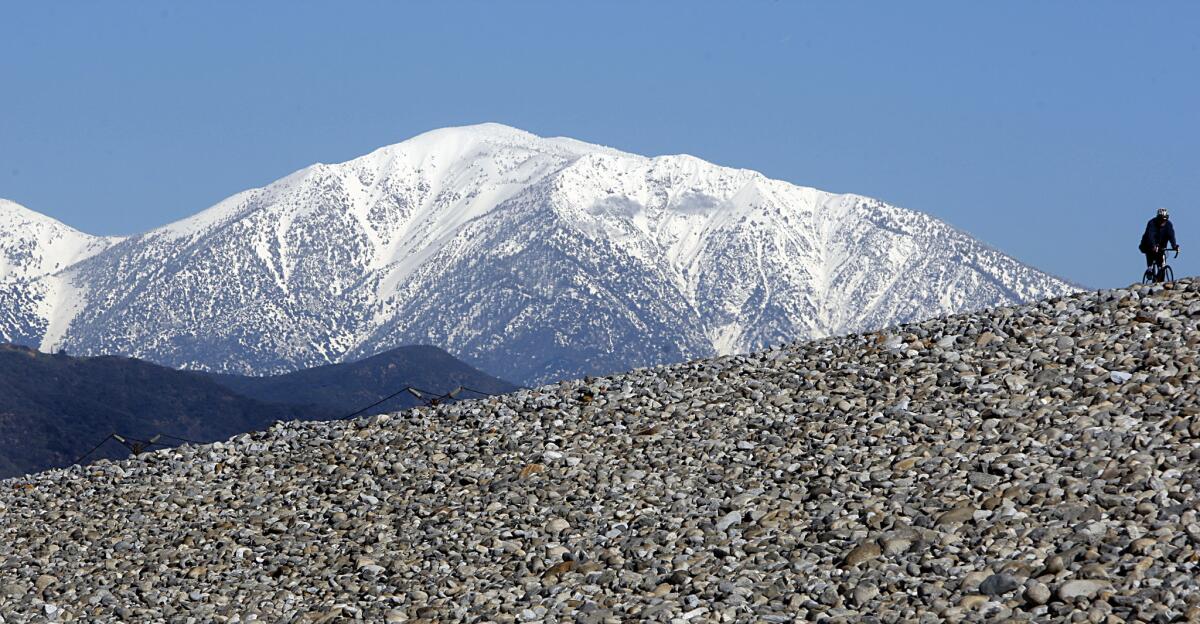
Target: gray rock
{"x":864,"y":594}
{"x":1071,"y":590}
{"x":728,"y":520}
{"x":13,"y":590}
{"x":999,"y":584}
{"x":1036,"y":593}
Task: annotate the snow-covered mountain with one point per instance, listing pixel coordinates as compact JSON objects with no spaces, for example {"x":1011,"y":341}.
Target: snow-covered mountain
{"x":531,"y":258}
{"x":33,"y":248}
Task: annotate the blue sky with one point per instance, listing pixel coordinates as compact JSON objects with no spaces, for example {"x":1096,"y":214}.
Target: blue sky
{"x":1049,"y":130}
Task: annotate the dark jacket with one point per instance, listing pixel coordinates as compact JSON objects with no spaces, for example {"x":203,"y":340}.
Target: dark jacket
{"x":1157,"y":235}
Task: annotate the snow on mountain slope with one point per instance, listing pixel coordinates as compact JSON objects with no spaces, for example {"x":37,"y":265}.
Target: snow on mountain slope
{"x":33,"y":245}
{"x":618,"y":261}
{"x":33,"y":248}
{"x":534,"y":259}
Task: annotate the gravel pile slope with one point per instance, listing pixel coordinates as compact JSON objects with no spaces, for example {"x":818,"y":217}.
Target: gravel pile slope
{"x":1035,"y":463}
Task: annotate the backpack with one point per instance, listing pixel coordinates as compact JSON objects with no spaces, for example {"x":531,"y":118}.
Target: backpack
{"x":1146,"y":244}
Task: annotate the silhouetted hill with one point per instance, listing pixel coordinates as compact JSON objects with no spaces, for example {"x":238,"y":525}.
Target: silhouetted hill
{"x":54,"y":408}
{"x":352,"y":385}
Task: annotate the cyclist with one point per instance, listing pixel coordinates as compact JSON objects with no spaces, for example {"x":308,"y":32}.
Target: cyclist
{"x":1159,"y":232}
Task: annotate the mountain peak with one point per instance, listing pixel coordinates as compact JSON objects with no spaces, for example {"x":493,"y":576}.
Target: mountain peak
{"x":485,"y":130}
{"x":532,"y":258}
{"x":486,"y":157}
{"x":12,"y":213}
{"x":468,"y":141}
{"x":33,"y":244}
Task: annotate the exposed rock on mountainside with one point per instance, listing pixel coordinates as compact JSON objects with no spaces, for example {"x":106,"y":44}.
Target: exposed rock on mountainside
{"x":54,"y":408}
{"x":1034,"y":463}
{"x":534,"y":259}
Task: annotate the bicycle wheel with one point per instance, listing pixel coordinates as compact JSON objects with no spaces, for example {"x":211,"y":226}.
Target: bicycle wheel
{"x":1168,"y":274}
{"x":1148,"y":276}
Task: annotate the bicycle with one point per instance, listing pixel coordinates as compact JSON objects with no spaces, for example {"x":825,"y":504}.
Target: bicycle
{"x":1160,"y":271}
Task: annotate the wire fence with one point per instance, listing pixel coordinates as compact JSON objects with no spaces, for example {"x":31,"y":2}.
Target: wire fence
{"x":136,"y":446}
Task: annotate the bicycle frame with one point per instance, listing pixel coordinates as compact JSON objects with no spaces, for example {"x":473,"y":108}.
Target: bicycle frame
{"x":1160,"y":270}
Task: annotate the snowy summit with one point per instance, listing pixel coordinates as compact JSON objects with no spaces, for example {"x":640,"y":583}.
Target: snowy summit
{"x":532,"y":258}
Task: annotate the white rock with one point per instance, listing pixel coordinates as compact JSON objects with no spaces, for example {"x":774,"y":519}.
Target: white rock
{"x":557,"y":525}
{"x":729,"y":520}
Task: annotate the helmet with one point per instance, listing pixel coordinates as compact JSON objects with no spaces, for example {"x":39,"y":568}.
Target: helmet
{"x":1162,"y":213}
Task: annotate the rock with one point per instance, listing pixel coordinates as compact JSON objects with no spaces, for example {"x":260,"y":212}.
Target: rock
{"x":974,"y":579}
{"x":531,"y":470}
{"x":958,"y":515}
{"x":830,"y":597}
{"x":973,"y":601}
{"x":1036,"y":593}
{"x":1092,"y":571}
{"x":1070,"y":590}
{"x":43,"y":581}
{"x":983,"y":480}
{"x":559,"y":569}
{"x":896,"y":545}
{"x":728,"y":520}
{"x":556,"y":526}
{"x":864,"y":594}
{"x":862,"y":553}
{"x":678,"y":577}
{"x":999,"y":585}
{"x":1142,"y":546}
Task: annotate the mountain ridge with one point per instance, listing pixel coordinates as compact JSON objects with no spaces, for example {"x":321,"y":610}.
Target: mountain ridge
{"x":491,"y":242}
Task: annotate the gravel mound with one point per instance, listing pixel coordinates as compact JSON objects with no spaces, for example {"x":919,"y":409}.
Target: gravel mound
{"x":1036,"y":463}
